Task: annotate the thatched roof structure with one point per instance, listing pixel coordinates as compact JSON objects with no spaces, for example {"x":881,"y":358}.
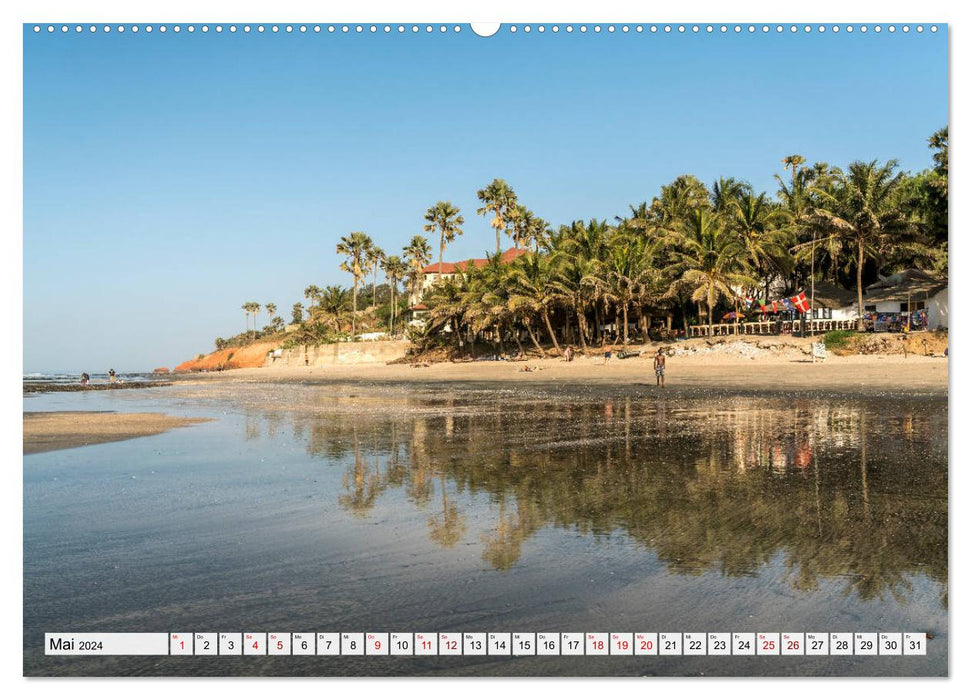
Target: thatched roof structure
{"x":831,"y":296}
{"x":909,"y":284}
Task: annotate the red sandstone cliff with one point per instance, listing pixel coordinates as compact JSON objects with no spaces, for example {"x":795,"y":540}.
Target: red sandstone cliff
{"x":231,"y":358}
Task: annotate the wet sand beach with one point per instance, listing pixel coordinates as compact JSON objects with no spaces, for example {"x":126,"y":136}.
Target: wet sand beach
{"x":849,"y":375}
{"x":59,"y":430}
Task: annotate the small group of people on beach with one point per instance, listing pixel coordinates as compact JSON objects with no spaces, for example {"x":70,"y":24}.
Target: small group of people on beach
{"x":85,"y":377}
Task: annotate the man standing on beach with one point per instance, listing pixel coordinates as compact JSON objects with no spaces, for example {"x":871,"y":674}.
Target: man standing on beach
{"x":659,"y":360}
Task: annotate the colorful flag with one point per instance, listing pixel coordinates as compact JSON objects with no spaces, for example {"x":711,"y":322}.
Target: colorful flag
{"x":788,"y":304}
{"x":801,"y":302}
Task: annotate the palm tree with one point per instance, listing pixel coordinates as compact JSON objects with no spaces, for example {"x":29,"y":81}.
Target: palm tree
{"x":447,"y":220}
{"x":498,"y":199}
{"x":251,"y":307}
{"x":333,"y":301}
{"x":395,"y":269}
{"x":375,"y":259}
{"x":312,"y":294}
{"x":355,"y":248}
{"x":627,"y":273}
{"x":726,"y":191}
{"x":535,"y":291}
{"x":678,"y":200}
{"x":528,"y":229}
{"x":297,"y":313}
{"x":756,"y":222}
{"x":863,"y":211}
{"x":575,"y":278}
{"x":710,"y":261}
{"x":417,"y":253}
{"x":270,"y":309}
{"x":446,"y":303}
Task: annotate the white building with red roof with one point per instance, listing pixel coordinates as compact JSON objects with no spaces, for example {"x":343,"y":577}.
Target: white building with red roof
{"x":432,"y":273}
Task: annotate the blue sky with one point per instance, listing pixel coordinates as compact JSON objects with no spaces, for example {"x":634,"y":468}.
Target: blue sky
{"x":169,"y":178}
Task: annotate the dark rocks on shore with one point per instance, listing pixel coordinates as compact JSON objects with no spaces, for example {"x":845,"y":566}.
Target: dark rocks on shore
{"x":45,"y":387}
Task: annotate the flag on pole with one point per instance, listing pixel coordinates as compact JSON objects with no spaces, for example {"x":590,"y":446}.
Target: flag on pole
{"x":788,"y":304}
{"x":801,"y":302}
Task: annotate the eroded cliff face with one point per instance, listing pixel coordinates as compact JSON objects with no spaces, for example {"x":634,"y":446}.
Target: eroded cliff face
{"x":258,"y":355}
{"x":231,"y":358}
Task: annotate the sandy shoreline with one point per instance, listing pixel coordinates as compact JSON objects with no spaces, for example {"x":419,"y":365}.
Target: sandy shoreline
{"x":59,"y":430}
{"x":853,"y":375}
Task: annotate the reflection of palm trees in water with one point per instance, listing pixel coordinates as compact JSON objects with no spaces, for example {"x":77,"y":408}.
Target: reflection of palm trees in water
{"x":446,"y":529}
{"x":363,"y":483}
{"x":727,"y":488}
{"x":504,"y":543}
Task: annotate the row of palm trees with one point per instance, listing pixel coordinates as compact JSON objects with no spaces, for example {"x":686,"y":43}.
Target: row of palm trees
{"x":253,"y":308}
{"x":689,"y":253}
{"x":696,"y":246}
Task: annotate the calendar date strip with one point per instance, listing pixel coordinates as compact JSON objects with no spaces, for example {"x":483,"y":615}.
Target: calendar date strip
{"x":510,"y":644}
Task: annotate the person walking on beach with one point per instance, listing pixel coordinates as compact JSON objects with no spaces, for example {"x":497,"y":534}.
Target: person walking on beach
{"x":607,"y":352}
{"x":84,"y":379}
{"x":111,"y":376}
{"x":659,"y":360}
{"x":568,"y":353}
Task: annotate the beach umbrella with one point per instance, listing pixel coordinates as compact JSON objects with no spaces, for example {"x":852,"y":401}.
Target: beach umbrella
{"x":731,"y":316}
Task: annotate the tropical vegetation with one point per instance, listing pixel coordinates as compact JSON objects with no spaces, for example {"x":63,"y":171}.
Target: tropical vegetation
{"x":692,"y":254}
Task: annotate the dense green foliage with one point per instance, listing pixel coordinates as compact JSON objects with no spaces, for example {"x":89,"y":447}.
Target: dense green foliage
{"x":689,"y":255}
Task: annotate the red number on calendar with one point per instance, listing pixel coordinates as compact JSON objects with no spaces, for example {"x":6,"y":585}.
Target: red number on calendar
{"x":451,"y":645}
{"x":792,"y":645}
{"x":279,"y":644}
{"x":622,"y":644}
{"x":598,"y":645}
{"x":256,"y":645}
{"x":426,"y":644}
{"x":647,"y":645}
{"x":377,"y":644}
{"x":181,"y":645}
{"x":768,"y":645}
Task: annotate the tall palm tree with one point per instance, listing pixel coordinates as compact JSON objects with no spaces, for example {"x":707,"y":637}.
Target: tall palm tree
{"x":296,"y":313}
{"x":251,"y":307}
{"x":312,"y":294}
{"x":394,"y":269}
{"x":863,"y":211}
{"x":793,"y":162}
{"x":499,"y":200}
{"x":270,"y":309}
{"x":710,"y":261}
{"x":447,"y":220}
{"x":375,"y":261}
{"x":417,"y":254}
{"x":355,"y":248}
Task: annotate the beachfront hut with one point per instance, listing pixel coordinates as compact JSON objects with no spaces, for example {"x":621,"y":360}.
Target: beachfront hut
{"x":833,"y":302}
{"x":908,"y":292}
